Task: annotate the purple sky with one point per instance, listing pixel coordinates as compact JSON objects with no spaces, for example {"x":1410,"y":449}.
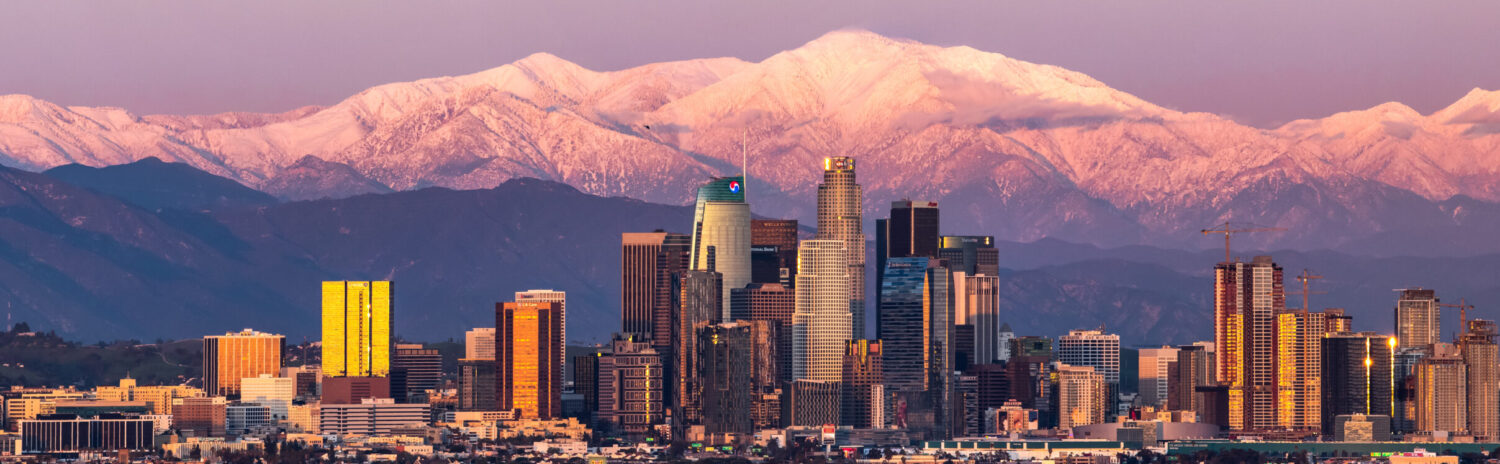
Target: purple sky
{"x":1262,"y":62}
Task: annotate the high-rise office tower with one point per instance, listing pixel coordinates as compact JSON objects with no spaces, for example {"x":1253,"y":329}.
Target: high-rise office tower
{"x":1154,"y":374}
{"x":551,"y":296}
{"x":976,"y":302}
{"x":839,"y":214}
{"x":864,"y":395}
{"x":647,"y":262}
{"x":671,"y":260}
{"x":1193,"y":368}
{"x":415,"y":370}
{"x":357,"y":329}
{"x":585,"y":369}
{"x":1442,"y":391}
{"x":1081,"y":396}
{"x":1096,"y":349}
{"x":1417,"y":318}
{"x":479,"y":343}
{"x":773,"y":304}
{"x":529,"y":358}
{"x":699,"y":301}
{"x":726,"y":368}
{"x":778,"y":238}
{"x":1246,"y":298}
{"x":1479,"y":352}
{"x":477,"y":385}
{"x":971,"y":254}
{"x":821,"y":322}
{"x":237,"y":355}
{"x":1355,"y":375}
{"x":722,"y":224}
{"x":632,"y":386}
{"x":910,"y":232}
{"x":915,"y":322}
{"x":1299,"y":341}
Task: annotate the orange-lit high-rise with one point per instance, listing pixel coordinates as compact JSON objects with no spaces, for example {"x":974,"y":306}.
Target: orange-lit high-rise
{"x":529,"y":358}
{"x":1246,"y":299}
{"x":236,"y":355}
{"x":1299,"y":338}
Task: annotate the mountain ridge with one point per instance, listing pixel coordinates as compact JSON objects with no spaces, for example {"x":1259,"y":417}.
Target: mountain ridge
{"x":1003,"y":139}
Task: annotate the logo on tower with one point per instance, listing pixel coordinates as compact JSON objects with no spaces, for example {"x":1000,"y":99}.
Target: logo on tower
{"x":734,"y":186}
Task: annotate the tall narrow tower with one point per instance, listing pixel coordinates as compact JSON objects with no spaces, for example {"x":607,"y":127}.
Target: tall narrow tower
{"x":839,"y":199}
{"x":721,"y":232}
{"x":820,"y":323}
{"x":1246,"y":299}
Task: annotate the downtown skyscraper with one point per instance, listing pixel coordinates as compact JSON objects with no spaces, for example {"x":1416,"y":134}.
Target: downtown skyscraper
{"x":647,"y":262}
{"x":357,"y":329}
{"x":1417,"y":318}
{"x":821,"y":321}
{"x":721,"y":233}
{"x":1246,"y":299}
{"x":839,"y":216}
{"x":529,"y":358}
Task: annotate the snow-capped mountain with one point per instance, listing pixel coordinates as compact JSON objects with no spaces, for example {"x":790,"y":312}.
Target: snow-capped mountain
{"x":1011,"y":148}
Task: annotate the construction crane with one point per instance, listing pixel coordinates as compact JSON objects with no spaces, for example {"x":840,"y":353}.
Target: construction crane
{"x":1228,"y":229}
{"x":1306,"y":277}
{"x":1463,"y":313}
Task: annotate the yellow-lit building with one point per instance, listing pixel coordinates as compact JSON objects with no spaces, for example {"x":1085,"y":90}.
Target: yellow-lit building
{"x":1299,"y":365}
{"x":357,"y":328}
{"x":530,"y":360}
{"x":237,"y":355}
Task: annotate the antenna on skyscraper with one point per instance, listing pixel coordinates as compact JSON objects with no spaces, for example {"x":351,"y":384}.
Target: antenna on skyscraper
{"x":745,"y":158}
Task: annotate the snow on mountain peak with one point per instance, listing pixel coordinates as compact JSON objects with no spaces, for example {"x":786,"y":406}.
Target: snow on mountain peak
{"x":1479,"y":106}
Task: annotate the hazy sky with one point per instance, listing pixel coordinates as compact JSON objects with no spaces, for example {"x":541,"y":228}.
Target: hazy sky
{"x":1263,"y":62}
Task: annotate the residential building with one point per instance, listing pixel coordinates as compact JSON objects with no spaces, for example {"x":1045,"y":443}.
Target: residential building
{"x":1417,"y":318}
{"x":1096,"y":349}
{"x":1442,"y":391}
{"x":1299,"y":360}
{"x":1080,"y":396}
{"x":1246,"y":298}
{"x":1477,"y":346}
{"x":1355,"y":375}
{"x":813,"y":402}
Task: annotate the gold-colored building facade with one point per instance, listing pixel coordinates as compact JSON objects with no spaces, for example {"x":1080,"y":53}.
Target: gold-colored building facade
{"x":1299,"y":369}
{"x":357,"y":328}
{"x":529,"y":358}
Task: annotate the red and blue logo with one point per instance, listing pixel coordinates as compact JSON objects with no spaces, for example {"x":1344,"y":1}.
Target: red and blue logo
{"x":734,"y":186}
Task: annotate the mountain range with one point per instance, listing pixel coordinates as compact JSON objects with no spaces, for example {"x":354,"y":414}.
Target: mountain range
{"x":1014,"y":149}
{"x":97,"y":254}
